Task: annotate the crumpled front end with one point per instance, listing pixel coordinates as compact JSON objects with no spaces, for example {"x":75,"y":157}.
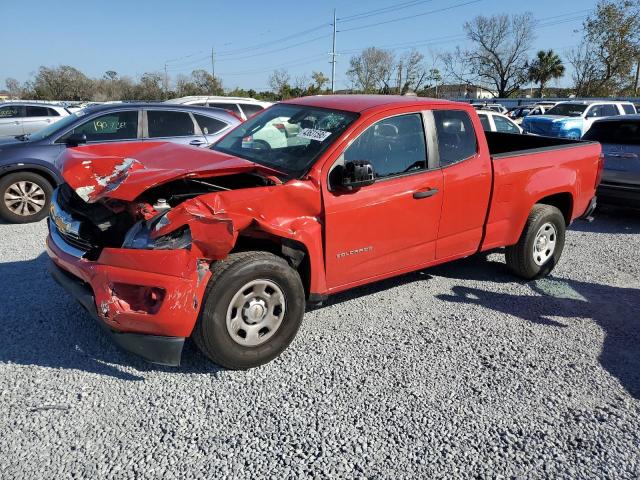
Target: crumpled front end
{"x":145,"y":263}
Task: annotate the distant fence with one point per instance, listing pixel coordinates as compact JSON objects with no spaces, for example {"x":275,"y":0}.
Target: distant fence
{"x":516,"y":102}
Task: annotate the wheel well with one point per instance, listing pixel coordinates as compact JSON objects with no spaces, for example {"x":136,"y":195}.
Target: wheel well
{"x":294,"y":252}
{"x":562,"y":201}
{"x":48,"y":176}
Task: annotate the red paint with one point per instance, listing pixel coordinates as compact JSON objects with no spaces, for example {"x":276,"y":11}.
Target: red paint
{"x":350,"y":238}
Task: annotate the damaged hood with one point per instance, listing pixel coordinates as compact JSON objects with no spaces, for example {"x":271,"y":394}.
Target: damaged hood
{"x":123,"y":171}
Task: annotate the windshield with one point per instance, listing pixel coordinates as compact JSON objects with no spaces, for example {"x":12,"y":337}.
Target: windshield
{"x":288,"y":138}
{"x":626,"y":133}
{"x":568,"y":109}
{"x":53,"y":128}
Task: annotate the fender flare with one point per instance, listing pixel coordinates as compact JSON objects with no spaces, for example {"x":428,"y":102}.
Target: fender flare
{"x":33,"y":165}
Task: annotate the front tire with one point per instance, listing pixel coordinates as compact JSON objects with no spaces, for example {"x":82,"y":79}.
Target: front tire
{"x":252,"y":310}
{"x":540,"y":246}
{"x":24,"y":197}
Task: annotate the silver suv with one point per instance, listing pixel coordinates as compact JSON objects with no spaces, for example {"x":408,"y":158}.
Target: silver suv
{"x":20,"y":118}
{"x":242,"y":107}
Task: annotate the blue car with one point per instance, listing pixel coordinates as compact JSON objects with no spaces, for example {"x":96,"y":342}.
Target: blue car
{"x":573,"y":119}
{"x":620,"y":139}
{"x":28,"y":171}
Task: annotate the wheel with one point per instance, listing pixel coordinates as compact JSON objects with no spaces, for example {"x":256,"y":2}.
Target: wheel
{"x":252,"y":310}
{"x":24,"y":197}
{"x":540,"y":245}
{"x":261,"y":145}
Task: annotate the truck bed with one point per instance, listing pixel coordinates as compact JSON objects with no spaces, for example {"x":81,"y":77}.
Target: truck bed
{"x":509,"y":145}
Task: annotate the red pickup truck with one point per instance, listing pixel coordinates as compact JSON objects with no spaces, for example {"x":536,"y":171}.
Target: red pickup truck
{"x":313,"y":196}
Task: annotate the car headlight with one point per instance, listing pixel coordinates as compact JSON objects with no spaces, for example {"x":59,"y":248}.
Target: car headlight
{"x":139,"y":236}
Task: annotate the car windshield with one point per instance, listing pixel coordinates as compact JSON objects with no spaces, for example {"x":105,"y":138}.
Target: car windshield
{"x":626,"y":133}
{"x":568,"y":109}
{"x":288,"y":138}
{"x":54,"y":127}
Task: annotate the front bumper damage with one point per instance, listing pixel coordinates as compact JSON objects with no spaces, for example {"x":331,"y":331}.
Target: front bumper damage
{"x":147,"y":300}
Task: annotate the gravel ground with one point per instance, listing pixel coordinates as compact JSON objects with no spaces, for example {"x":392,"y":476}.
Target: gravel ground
{"x":456,"y":371}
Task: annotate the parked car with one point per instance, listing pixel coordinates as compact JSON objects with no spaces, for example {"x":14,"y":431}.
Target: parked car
{"x":227,"y":245}
{"x":242,"y":107}
{"x":28,"y":170}
{"x":495,"y":107}
{"x":573,"y":119}
{"x":517,"y":114}
{"x":19,"y":118}
{"x":620,"y":139}
{"x":496,"y":122}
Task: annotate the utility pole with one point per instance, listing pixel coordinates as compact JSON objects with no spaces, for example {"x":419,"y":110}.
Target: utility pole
{"x":333,"y":55}
{"x":213,"y":62}
{"x":166,"y":80}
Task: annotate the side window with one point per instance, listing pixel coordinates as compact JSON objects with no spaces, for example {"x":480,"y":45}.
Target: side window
{"x":250,"y":109}
{"x":37,"y":111}
{"x":10,"y":111}
{"x":456,"y":136}
{"x":232,"y":107}
{"x":394,"y":146}
{"x":629,"y":109}
{"x":610,"y":110}
{"x":169,"y":124}
{"x":209,"y":126}
{"x":108,"y":127}
{"x":596,"y":111}
{"x":52,"y":112}
{"x":505,"y":126}
{"x":484,"y":120}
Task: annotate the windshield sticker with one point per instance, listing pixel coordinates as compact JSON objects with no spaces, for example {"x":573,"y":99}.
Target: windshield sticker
{"x":313,"y":134}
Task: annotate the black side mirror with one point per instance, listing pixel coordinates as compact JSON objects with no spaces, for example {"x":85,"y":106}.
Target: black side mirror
{"x":353,"y":175}
{"x":76,"y":139}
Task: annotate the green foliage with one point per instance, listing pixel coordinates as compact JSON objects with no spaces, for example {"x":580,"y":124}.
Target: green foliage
{"x":545,"y":67}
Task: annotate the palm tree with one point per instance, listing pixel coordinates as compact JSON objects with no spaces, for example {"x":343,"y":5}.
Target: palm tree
{"x":546,"y":66}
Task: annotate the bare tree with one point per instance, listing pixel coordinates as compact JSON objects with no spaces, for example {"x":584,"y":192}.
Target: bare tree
{"x":498,"y":59}
{"x":585,"y":72}
{"x":412,"y":72}
{"x":13,"y":87}
{"x":371,"y":70}
{"x":279,"y":81}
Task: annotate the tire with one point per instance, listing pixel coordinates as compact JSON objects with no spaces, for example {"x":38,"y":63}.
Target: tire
{"x":524,"y":258}
{"x":227,"y":311}
{"x":37,"y":191}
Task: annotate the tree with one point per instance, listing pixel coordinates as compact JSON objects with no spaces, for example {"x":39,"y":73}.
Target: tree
{"x":497,"y":60}
{"x":61,"y":83}
{"x":412,"y":73}
{"x":609,"y":50}
{"x":320,"y":81}
{"x":279,"y":83}
{"x":150,"y":86}
{"x":371,"y":70}
{"x":13,"y":87}
{"x":545,"y":67}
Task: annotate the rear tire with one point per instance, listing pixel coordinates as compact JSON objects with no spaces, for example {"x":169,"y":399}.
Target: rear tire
{"x":540,"y":246}
{"x":252,"y":310}
{"x":24,"y":197}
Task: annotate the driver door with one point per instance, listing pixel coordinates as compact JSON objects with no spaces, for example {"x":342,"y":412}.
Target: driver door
{"x":391,"y":225}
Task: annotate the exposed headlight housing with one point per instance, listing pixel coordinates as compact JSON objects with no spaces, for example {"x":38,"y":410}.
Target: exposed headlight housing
{"x":139,"y":236}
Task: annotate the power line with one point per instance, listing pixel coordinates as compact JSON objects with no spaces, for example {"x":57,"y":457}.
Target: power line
{"x":360,"y":27}
{"x":380,"y":11}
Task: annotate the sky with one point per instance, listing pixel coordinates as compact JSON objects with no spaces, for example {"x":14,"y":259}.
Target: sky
{"x":250,"y":38}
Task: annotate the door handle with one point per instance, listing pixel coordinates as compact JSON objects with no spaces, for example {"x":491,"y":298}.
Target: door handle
{"x":196,"y":142}
{"x":425,"y":193}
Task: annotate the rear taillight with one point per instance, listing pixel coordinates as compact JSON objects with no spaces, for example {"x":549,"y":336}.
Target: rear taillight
{"x":247,"y":139}
{"x":280,"y":126}
{"x":600,"y":168}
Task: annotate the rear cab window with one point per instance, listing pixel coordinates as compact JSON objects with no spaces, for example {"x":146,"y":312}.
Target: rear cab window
{"x":456,"y":136}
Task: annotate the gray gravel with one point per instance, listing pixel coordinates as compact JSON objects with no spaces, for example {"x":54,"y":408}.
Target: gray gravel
{"x":457,"y":371}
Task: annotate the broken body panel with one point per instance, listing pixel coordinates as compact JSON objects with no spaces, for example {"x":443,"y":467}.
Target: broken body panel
{"x":216,"y":202}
